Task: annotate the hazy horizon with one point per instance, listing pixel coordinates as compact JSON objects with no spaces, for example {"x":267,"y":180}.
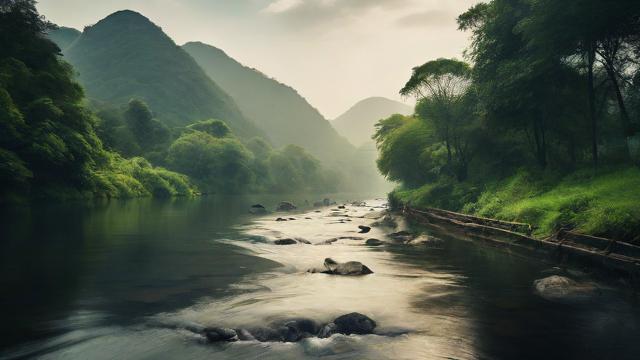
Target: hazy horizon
{"x":341,"y":64}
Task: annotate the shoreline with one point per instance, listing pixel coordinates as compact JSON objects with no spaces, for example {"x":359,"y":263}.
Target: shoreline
{"x":614,"y":259}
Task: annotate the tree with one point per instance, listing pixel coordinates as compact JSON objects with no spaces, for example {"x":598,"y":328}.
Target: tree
{"x":441,"y":87}
{"x":148,"y":132}
{"x":218,"y":165}
{"x":409,"y":150}
{"x":47,"y":135}
{"x":593,"y":32}
{"x":213,"y":127}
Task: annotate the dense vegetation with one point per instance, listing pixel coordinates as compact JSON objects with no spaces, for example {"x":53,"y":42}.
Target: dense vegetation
{"x":52,"y":145}
{"x":540,"y":126}
{"x":48,"y":145}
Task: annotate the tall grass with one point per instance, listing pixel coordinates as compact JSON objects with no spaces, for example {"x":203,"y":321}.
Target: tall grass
{"x":604,"y":204}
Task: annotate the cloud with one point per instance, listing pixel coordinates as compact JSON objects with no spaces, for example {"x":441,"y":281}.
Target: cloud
{"x":430,"y":18}
{"x":308,"y":13}
{"x":280,"y":6}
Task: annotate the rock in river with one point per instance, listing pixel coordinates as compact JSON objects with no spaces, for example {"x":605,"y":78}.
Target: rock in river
{"x":563,"y":289}
{"x":286,"y":206}
{"x":257,"y":209}
{"x":348,"y":268}
{"x":364,"y":229}
{"x":294,"y":330}
{"x":373,"y":242}
{"x":285,"y":242}
{"x":216,"y":334}
{"x":354,"y":323}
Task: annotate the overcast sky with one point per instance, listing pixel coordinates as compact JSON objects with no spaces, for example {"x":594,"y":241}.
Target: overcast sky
{"x":334,"y":52}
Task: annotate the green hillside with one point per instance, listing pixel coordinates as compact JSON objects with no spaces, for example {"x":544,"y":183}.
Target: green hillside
{"x":285,"y":116}
{"x":64,"y":36}
{"x":358,"y":123}
{"x":126,"y":56}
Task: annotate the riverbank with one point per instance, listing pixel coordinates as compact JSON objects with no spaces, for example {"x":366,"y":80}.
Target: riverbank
{"x":605,"y":204}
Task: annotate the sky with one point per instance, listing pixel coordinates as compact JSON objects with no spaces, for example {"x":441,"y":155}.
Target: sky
{"x":334,"y":52}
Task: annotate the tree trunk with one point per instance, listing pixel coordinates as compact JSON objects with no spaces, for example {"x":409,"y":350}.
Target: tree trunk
{"x":540,"y":139}
{"x":591,"y":57}
{"x":624,"y":115}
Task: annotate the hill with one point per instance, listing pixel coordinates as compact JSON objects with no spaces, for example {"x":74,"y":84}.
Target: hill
{"x":278,"y":109}
{"x":64,"y":36}
{"x":126,"y":56}
{"x":357,"y":124}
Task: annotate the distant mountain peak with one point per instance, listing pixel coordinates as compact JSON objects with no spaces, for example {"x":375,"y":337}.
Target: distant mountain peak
{"x":285,"y":115}
{"x":358,"y":123}
{"x":125,"y":55}
{"x":126,"y":14}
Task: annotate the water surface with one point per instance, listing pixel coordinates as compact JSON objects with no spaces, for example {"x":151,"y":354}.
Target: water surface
{"x":126,"y":280}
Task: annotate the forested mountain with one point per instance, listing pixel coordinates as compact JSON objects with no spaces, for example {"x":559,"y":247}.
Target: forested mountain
{"x":358,"y":123}
{"x":126,"y":56}
{"x":279,"y":110}
{"x":64,"y":36}
{"x":48,"y":145}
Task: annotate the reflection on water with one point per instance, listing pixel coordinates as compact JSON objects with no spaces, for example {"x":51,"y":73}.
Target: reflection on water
{"x":126,"y":280}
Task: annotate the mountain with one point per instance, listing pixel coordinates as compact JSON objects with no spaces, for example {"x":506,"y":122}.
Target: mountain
{"x":64,"y":36}
{"x":358,"y":123}
{"x":126,"y":56}
{"x":278,"y":109}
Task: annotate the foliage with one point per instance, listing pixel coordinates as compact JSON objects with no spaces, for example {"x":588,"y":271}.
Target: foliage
{"x":215,"y":128}
{"x":216,"y":164}
{"x":136,"y":177}
{"x":48,"y":145}
{"x":540,"y":128}
{"x":47,"y":136}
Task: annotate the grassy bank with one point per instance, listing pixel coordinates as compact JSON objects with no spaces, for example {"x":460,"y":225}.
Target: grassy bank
{"x":604,"y":204}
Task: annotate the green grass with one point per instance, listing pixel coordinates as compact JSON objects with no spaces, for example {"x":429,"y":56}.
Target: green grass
{"x":606,"y":204}
{"x":136,"y":177}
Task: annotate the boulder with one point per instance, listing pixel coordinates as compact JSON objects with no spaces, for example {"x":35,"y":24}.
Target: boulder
{"x":425,"y":240}
{"x":364,"y":229}
{"x":350,"y":268}
{"x":342,"y":207}
{"x":216,"y":334}
{"x":563,"y":289}
{"x":328,"y":330}
{"x":373,"y":242}
{"x":281,"y":219}
{"x":354,"y":323}
{"x":257,"y":209}
{"x":285,"y":242}
{"x":285,"y":206}
{"x":298,"y":329}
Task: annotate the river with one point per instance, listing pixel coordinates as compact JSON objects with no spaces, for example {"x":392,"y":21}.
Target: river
{"x":126,"y":280}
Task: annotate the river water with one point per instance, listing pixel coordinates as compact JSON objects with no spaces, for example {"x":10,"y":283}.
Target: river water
{"x":127,"y":280}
